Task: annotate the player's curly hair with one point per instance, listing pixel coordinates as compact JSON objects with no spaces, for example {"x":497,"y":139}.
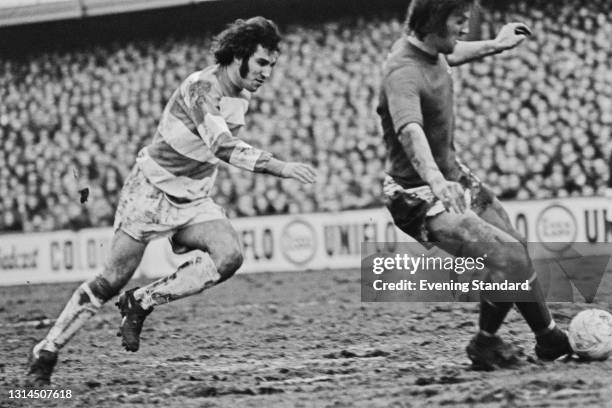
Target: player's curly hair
{"x":241,"y":38}
{"x":429,"y":16}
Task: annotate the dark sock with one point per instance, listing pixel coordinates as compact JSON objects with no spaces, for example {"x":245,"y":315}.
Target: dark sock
{"x":492,"y":315}
{"x":553,"y":336}
{"x":536,"y":312}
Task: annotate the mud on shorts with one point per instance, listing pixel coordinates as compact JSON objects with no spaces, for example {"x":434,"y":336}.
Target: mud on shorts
{"x":145,"y":212}
{"x":410,"y":207}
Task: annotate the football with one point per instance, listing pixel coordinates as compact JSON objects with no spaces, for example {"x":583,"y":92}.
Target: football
{"x":590,"y":334}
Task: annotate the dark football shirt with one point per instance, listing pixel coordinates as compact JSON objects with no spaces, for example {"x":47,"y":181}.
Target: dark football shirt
{"x":417,"y":88}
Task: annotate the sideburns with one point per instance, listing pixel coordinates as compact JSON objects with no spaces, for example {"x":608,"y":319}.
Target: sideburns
{"x":244,"y":67}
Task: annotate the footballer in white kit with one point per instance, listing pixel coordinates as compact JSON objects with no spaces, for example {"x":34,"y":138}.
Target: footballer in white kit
{"x":168,"y":193}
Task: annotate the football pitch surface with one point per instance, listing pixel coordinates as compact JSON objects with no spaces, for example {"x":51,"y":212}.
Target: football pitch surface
{"x":291,"y":340}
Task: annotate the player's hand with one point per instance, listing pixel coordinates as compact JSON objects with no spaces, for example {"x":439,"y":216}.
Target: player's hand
{"x":299,"y":171}
{"x":451,"y":194}
{"x":511,"y":35}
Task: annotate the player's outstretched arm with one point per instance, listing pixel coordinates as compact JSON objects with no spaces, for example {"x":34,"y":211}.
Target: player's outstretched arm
{"x":511,"y":35}
{"x":236,"y":152}
{"x":215,"y":132}
{"x":302,"y":172}
{"x":416,"y":146}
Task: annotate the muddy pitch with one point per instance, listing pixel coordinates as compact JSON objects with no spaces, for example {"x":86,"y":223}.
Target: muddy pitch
{"x":291,"y":340}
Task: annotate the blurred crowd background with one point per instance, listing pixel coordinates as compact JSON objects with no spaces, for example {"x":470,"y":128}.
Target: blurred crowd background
{"x":535,"y":122}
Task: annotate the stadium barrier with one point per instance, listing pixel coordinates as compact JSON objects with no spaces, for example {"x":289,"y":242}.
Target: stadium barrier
{"x":286,"y":242}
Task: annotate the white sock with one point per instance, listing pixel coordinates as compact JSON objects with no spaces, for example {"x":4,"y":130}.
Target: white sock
{"x":191,"y":277}
{"x":486,"y":333}
{"x":79,"y":309}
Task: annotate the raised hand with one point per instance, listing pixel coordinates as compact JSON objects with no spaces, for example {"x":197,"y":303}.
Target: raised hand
{"x":511,"y":35}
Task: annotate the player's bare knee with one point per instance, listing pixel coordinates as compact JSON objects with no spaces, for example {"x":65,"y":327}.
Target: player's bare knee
{"x":234,"y":259}
{"x":233,"y":265}
{"x":229,"y":259}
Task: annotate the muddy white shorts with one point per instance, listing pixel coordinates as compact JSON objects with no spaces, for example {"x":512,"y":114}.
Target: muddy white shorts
{"x":145,"y":212}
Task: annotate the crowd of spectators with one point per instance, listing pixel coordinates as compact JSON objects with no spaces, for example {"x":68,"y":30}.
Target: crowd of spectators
{"x":535,"y":122}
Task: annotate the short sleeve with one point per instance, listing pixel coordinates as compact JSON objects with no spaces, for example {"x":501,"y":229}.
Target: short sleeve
{"x":402,"y":87}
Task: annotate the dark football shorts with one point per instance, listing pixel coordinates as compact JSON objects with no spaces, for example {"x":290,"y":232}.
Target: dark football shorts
{"x":410,"y":207}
